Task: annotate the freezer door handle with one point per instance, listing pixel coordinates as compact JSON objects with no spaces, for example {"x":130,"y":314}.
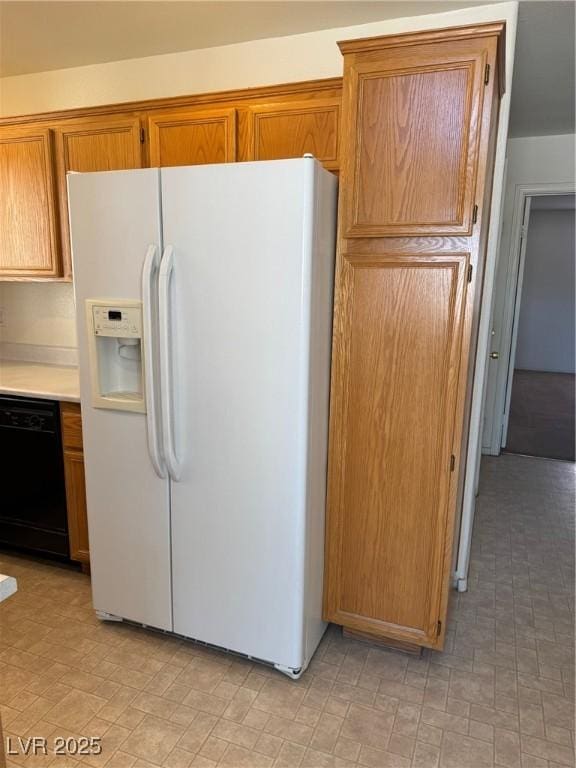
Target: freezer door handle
{"x":149,"y":270}
{"x":166,"y":384}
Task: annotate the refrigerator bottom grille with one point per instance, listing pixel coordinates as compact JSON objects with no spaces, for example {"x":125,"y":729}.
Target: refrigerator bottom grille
{"x":292,"y":673}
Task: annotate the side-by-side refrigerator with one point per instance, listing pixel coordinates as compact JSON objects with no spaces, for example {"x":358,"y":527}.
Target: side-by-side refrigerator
{"x":204,"y":314}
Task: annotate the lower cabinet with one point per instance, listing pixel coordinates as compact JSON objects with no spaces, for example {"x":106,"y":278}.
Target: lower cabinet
{"x":71,"y":425}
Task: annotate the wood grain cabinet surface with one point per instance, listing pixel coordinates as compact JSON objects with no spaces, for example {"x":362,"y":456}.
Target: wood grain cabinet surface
{"x":192,"y":137}
{"x":292,"y":129}
{"x":29,"y":240}
{"x":71,"y":426}
{"x":36,"y":153}
{"x":419,"y":120}
{"x":93,"y":145}
{"x":416,"y":119}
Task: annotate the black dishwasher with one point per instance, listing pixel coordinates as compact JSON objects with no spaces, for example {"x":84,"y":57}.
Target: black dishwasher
{"x":32,"y":491}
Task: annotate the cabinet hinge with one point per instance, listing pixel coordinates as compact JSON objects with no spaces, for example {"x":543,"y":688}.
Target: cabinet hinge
{"x":438,"y":629}
{"x":142,"y":135}
{"x":487,"y":74}
{"x":452,"y":462}
{"x":470,"y":269}
{"x":475,"y":214}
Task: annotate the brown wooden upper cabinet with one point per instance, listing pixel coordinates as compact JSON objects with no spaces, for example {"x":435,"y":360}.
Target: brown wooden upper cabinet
{"x":419,"y":120}
{"x":110,"y":144}
{"x":29,"y":240}
{"x":192,"y":137}
{"x":415,"y":114}
{"x":291,"y":129}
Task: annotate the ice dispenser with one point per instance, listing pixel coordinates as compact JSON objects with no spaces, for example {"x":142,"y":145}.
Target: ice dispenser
{"x":116,"y":359}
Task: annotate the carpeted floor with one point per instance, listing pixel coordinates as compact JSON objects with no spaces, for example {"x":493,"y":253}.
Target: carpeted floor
{"x":542,"y":415}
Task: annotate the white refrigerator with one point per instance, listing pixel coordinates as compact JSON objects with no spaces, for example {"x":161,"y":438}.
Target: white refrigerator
{"x":206,"y":496}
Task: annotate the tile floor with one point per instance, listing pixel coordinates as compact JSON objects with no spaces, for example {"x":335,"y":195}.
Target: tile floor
{"x":501,"y":693}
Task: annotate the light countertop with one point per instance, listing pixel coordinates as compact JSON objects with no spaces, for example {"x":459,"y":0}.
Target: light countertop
{"x":49,"y":382}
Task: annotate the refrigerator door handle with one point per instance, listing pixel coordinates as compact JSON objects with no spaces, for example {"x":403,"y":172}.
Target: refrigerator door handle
{"x":166,"y":271}
{"x":149,"y":270}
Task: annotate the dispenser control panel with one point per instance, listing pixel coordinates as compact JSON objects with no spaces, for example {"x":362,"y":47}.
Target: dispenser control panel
{"x":116,"y":354}
{"x":119,"y":321}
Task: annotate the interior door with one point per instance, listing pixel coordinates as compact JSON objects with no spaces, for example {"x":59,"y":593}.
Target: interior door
{"x":115,"y":217}
{"x":516,"y":319}
{"x":241,"y":387}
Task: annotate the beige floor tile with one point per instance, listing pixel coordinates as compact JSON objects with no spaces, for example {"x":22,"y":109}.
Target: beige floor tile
{"x":278,"y":698}
{"x":502,"y":689}
{"x":239,"y":757}
{"x":379,"y":758}
{"x":154,"y":705}
{"x":367,"y":726}
{"x":214,"y":748}
{"x":205,"y":702}
{"x":197,"y":732}
{"x":289,"y":730}
{"x":347,"y":749}
{"x":153,"y":739}
{"x":269,"y":745}
{"x":290,"y":755}
{"x":76,"y":709}
{"x":236,"y":733}
{"x":547,"y":750}
{"x":425,"y":756}
{"x":458,"y":751}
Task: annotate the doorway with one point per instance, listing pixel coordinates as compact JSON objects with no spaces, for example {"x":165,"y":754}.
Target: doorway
{"x":539,"y":418}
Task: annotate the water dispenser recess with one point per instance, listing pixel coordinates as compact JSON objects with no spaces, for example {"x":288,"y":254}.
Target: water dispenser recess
{"x":116,"y":357}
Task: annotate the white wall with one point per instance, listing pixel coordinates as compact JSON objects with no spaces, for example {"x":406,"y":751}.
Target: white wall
{"x":260,"y":62}
{"x":241,"y":65}
{"x":38,"y":313}
{"x":532,"y":160}
{"x":547,"y":310}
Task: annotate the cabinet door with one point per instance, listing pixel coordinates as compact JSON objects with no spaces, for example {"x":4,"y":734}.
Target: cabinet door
{"x":95,"y":145}
{"x":414,"y":117}
{"x":398,"y":332}
{"x":29,"y":244}
{"x":76,"y":503}
{"x":192,"y":137}
{"x":277,"y":131}
{"x":71,"y":429}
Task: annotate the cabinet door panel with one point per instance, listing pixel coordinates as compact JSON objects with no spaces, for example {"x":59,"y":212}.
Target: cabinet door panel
{"x":192,"y":137}
{"x":76,"y":504}
{"x":417,"y":128}
{"x":28,"y":231}
{"x":111,"y":145}
{"x":278,"y":131}
{"x":398,"y":332}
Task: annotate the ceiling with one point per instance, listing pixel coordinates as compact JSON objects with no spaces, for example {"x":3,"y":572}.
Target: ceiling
{"x":37,"y":36}
{"x":46,"y":34}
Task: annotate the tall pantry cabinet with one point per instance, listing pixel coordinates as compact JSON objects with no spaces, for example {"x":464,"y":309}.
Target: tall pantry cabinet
{"x":419,"y":119}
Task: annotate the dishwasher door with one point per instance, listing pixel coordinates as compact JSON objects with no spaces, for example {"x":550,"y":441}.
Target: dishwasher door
{"x":32,"y":491}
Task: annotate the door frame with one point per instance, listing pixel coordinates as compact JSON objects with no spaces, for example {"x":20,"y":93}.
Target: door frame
{"x":471,"y":479}
{"x":511,"y":306}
